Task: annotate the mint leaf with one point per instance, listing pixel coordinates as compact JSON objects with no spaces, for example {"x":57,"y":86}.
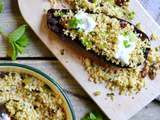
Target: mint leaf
{"x":93,"y":116}
{"x":14,"y":51}
{"x":18,"y":40}
{"x":17,"y":34}
{"x":23,"y":41}
{"x":1,"y":6}
{"x":98,"y":115}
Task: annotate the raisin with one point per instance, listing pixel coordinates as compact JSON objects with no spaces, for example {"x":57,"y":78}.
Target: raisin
{"x":123,"y":24}
{"x":120,"y":2}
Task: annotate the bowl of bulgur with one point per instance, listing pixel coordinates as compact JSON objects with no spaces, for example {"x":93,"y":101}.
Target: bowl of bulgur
{"x":29,"y":94}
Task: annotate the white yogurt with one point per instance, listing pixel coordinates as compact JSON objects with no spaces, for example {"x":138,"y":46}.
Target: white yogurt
{"x":87,"y":22}
{"x":123,"y":52}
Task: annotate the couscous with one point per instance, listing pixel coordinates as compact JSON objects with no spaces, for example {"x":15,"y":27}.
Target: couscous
{"x":118,"y":8}
{"x":27,"y":98}
{"x":114,"y":39}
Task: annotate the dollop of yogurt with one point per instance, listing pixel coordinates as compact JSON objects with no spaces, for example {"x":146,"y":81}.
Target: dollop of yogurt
{"x":126,"y":45}
{"x":87,"y":22}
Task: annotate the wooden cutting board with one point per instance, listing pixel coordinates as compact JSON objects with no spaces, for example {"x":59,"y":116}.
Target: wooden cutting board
{"x":122,"y":107}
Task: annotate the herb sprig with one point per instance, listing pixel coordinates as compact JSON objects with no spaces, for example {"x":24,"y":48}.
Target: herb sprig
{"x":93,"y":116}
{"x":17,"y":39}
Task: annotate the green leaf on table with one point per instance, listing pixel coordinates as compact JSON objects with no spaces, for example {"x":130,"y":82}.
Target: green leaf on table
{"x":1,"y":6}
{"x":93,"y":116}
{"x":17,"y":34}
{"x":18,"y":40}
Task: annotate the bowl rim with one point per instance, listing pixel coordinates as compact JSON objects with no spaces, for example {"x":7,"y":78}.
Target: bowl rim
{"x":51,"y":79}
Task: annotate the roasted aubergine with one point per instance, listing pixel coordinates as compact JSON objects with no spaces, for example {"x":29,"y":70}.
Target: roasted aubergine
{"x":114,"y":39}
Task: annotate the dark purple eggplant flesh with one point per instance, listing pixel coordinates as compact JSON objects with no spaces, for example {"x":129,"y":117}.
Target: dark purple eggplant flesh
{"x":53,"y":25}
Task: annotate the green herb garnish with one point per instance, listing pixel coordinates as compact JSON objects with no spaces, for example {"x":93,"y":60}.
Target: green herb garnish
{"x":93,"y":116}
{"x":126,"y":44}
{"x":87,"y":43}
{"x":59,"y":13}
{"x":125,"y":33}
{"x":131,"y":15}
{"x":1,"y":6}
{"x":18,"y":40}
{"x":73,"y":23}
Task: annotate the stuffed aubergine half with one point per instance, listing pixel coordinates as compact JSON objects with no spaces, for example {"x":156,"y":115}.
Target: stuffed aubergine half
{"x":116,"y":40}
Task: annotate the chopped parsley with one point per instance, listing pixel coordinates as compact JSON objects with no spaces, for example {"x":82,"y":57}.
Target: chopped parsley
{"x":132,"y":38}
{"x":59,"y":13}
{"x":87,"y":43}
{"x":126,"y":44}
{"x":131,"y":15}
{"x":73,"y":23}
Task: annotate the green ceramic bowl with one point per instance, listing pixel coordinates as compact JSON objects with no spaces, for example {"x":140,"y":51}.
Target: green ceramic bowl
{"x":14,"y":67}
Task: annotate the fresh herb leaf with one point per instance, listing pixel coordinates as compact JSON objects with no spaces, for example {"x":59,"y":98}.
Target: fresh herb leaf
{"x":18,"y":40}
{"x":131,"y":15}
{"x":125,"y":33}
{"x":17,"y":34}
{"x":1,"y":6}
{"x":87,"y":43}
{"x":126,"y":44}
{"x":73,"y":23}
{"x":93,"y":116}
{"x":60,"y":14}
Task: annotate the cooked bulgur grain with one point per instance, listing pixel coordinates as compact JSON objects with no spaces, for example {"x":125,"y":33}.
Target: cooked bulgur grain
{"x":125,"y":80}
{"x":97,"y":93}
{"x":109,"y":7}
{"x":27,"y":98}
{"x":105,"y":36}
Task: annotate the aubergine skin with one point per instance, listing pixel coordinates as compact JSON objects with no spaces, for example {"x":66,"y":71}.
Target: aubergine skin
{"x":56,"y":27}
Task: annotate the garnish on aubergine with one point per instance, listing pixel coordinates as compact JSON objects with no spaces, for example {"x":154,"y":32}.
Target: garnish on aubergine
{"x":114,"y":39}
